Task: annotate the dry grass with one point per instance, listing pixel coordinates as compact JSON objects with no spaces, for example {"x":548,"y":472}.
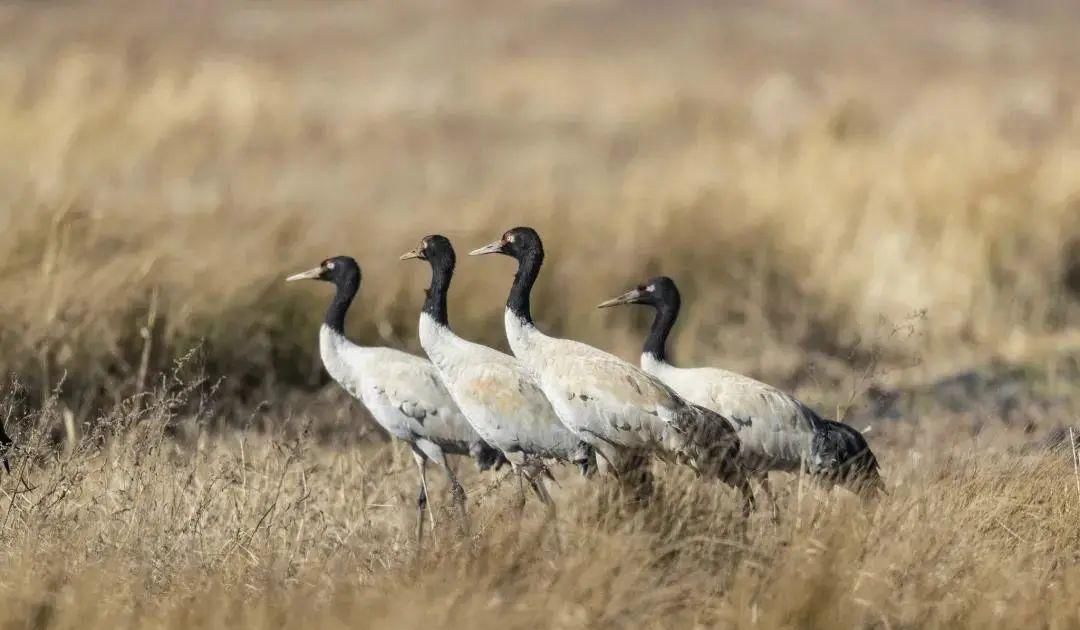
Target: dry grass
{"x":135,"y":529}
{"x":841,"y":190}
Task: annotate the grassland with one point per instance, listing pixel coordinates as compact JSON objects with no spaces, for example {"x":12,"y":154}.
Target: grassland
{"x":848,"y":195}
{"x":272,"y":530}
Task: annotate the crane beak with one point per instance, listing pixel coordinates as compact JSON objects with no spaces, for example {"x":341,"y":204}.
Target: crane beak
{"x":412,"y":253}
{"x":490,"y":248}
{"x":310,"y":274}
{"x":630,"y":297}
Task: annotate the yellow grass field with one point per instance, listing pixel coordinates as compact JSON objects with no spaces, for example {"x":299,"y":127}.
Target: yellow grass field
{"x":853,"y":197}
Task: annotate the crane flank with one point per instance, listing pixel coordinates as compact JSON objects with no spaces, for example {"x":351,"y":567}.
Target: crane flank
{"x":406,"y":390}
{"x":497,"y":395}
{"x":778,"y":432}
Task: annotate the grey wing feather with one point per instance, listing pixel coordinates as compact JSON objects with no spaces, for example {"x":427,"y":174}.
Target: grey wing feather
{"x":405,"y":394}
{"x":714,"y":441}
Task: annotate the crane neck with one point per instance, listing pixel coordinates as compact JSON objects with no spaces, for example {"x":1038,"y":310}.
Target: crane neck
{"x":339,"y":306}
{"x":528,"y":269}
{"x":442,"y":271}
{"x":663,"y":321}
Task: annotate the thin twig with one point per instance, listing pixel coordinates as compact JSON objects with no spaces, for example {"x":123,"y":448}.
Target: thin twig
{"x":1014,"y":534}
{"x":1076,"y":461}
{"x":147,"y":334}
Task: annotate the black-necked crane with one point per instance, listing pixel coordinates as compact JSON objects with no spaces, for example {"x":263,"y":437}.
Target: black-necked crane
{"x":777,"y":431}
{"x":403,"y":392}
{"x":497,"y":395}
{"x":623,"y":412}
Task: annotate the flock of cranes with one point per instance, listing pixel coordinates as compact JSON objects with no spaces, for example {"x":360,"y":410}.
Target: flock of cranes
{"x":559,"y":400}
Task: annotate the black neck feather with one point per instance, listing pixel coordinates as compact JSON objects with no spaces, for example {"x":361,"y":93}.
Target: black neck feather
{"x":528,"y":269}
{"x":442,"y":270}
{"x":656,"y":342}
{"x":343,"y":297}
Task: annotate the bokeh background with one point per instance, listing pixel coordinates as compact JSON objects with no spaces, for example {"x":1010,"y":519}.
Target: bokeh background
{"x":825,"y":180}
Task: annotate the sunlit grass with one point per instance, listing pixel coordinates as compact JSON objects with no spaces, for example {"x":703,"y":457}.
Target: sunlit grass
{"x":846,"y":195}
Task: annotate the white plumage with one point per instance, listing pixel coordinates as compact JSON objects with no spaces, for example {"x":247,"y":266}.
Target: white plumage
{"x":402,"y":391}
{"x":777,"y":431}
{"x":501,"y":400}
{"x":614,"y":406}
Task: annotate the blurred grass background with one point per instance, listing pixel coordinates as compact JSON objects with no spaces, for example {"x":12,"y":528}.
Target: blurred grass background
{"x":833,"y":184}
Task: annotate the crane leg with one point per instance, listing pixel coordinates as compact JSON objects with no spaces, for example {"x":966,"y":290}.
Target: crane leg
{"x":458,"y":493}
{"x":747,"y":491}
{"x":517,"y":464}
{"x":519,"y":501}
{"x":536,"y":481}
{"x":421,"y":500}
{"x":766,"y":489}
{"x":639,"y":479}
{"x":435,"y":454}
{"x":550,"y":520}
{"x":632,"y":471}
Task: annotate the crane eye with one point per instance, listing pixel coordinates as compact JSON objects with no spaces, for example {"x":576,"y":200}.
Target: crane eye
{"x":650,"y":288}
{"x":508,"y":237}
{"x":329,"y":264}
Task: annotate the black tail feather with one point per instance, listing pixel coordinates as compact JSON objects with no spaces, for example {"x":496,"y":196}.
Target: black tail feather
{"x":487,"y":458}
{"x":841,"y":454}
{"x":584,"y":457}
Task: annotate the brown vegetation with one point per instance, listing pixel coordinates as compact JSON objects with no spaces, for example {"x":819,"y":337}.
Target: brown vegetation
{"x":845,"y":192}
{"x":135,"y":529}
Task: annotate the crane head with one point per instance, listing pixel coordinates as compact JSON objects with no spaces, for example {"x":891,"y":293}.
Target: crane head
{"x":657,"y":292}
